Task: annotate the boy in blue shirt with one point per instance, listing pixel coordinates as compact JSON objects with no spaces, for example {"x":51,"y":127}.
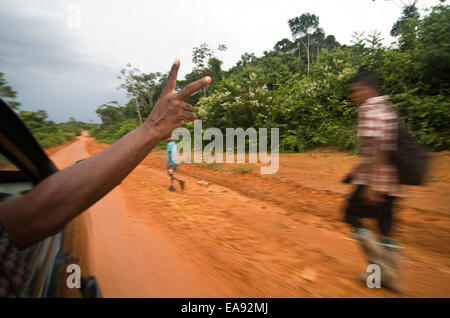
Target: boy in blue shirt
{"x":171,"y":161}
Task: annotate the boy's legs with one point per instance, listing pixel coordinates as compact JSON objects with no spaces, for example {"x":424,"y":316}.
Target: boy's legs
{"x":381,"y":253}
{"x":391,"y":250}
{"x":171,"y":172}
{"x":356,"y":210}
{"x":172,"y":177}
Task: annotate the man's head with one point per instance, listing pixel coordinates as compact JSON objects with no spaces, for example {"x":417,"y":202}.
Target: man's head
{"x":361,"y":87}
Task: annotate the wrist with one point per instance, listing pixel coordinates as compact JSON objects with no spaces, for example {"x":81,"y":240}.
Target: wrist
{"x":150,"y":132}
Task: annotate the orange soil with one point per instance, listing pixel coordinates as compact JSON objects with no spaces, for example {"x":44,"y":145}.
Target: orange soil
{"x":250,"y":235}
{"x":53,"y":150}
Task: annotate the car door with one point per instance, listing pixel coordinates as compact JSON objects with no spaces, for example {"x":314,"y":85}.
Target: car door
{"x":23,"y":164}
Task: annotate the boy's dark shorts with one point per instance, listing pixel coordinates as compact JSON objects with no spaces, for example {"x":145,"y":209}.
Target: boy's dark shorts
{"x":357,"y":209}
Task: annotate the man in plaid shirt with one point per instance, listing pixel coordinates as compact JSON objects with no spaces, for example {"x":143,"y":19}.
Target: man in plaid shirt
{"x":375,"y":177}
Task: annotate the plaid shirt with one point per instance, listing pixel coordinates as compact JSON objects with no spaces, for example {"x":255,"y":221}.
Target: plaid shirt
{"x":377,"y":131}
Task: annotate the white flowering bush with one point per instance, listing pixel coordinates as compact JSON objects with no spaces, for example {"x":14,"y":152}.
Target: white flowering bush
{"x":239,"y":101}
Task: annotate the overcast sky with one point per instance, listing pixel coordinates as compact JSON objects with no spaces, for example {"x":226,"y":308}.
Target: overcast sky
{"x":69,"y":69}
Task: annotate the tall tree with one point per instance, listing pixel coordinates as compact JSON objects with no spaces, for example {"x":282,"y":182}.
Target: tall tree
{"x":222,"y":48}
{"x":302,"y":28}
{"x":148,"y":87}
{"x":130,"y":84}
{"x":200,"y":57}
{"x":406,"y":26}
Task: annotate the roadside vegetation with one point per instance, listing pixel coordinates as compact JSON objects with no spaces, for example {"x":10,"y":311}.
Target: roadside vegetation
{"x":299,"y":85}
{"x":48,"y":133}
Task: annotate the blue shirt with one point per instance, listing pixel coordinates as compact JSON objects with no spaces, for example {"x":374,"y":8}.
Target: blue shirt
{"x":172,"y":153}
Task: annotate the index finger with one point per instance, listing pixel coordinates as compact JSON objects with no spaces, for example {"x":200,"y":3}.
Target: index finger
{"x":193,"y":87}
{"x":172,"y":78}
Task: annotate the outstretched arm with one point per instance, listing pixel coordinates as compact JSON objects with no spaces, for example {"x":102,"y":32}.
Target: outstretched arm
{"x":56,"y":200}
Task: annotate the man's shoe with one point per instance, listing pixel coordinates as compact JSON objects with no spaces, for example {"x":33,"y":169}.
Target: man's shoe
{"x":387,"y":281}
{"x":392,"y":259}
{"x":385,"y":254}
{"x":171,"y":188}
{"x":182,"y":184}
{"x":390,"y":245}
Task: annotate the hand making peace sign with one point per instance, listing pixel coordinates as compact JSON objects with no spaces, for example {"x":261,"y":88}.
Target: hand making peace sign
{"x":170,"y":111}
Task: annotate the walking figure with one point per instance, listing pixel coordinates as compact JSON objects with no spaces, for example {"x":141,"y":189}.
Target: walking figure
{"x":172,"y":163}
{"x":376,"y":177}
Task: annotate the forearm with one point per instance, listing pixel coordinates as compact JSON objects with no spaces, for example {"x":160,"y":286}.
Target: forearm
{"x":59,"y":198}
{"x":62,"y":196}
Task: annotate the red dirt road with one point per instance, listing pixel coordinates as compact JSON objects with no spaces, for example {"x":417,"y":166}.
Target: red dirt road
{"x":247,"y":235}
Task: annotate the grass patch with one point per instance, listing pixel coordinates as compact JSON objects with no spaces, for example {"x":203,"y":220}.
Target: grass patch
{"x":221,"y":167}
{"x":211,"y":166}
{"x":242,"y":169}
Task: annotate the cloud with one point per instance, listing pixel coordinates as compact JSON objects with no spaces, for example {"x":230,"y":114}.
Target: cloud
{"x":51,"y":68}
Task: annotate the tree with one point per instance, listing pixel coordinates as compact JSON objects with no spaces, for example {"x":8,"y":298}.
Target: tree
{"x":148,"y":88}
{"x":130,"y":76}
{"x":215,"y":69}
{"x":200,"y":57}
{"x":409,"y":12}
{"x":34,"y":119}
{"x":406,"y":26}
{"x":110,"y":112}
{"x":246,"y":58}
{"x":433,"y":50}
{"x":222,"y":47}
{"x":302,"y":28}
{"x":330,"y":43}
{"x":317,"y":39}
{"x":285,"y":45}
{"x":7,"y":92}
{"x":404,"y":3}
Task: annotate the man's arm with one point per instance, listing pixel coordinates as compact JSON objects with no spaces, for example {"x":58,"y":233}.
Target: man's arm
{"x":56,"y":200}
